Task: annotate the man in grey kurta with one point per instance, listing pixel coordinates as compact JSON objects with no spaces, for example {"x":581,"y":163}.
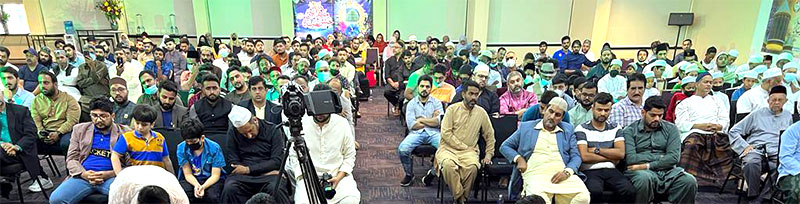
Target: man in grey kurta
{"x":652,"y":152}
{"x":762,"y":129}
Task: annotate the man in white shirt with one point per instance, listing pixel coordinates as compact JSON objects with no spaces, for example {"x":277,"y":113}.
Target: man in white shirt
{"x":330,"y":144}
{"x":129,"y":70}
{"x":586,"y":52}
{"x":756,"y":97}
{"x":248,"y":52}
{"x":4,"y":54}
{"x":613,"y":83}
{"x":717,"y":89}
{"x":702,"y":121}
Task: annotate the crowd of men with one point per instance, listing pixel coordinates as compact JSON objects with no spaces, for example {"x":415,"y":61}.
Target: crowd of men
{"x":592,"y":125}
{"x":586,"y":125}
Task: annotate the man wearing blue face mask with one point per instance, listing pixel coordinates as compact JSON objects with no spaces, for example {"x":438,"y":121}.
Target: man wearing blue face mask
{"x":150,"y":89}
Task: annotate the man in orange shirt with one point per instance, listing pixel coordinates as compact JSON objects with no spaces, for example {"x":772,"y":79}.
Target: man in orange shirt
{"x":281,"y":56}
{"x":442,"y":91}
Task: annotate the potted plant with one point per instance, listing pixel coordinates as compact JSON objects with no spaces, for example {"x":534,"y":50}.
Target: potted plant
{"x":4,"y":19}
{"x":112,"y":9}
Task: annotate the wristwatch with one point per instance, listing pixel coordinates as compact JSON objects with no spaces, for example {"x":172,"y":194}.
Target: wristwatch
{"x":597,"y":150}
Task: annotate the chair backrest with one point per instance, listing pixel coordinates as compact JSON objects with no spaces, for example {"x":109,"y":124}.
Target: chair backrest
{"x":740,"y":116}
{"x":732,"y":114}
{"x":221,"y":137}
{"x":173,"y":138}
{"x":666,"y":96}
{"x":504,"y":127}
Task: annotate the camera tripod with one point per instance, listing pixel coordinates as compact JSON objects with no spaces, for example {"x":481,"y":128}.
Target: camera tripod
{"x":313,"y":187}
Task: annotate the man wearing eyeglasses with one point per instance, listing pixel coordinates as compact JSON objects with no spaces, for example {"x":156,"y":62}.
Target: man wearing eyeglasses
{"x":488,"y":100}
{"x":89,"y":155}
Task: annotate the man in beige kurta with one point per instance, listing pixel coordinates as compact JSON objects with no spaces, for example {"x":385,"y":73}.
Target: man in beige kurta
{"x":457,"y":156}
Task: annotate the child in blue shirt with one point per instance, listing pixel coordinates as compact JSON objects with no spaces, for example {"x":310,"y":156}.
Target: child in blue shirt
{"x":200,"y":162}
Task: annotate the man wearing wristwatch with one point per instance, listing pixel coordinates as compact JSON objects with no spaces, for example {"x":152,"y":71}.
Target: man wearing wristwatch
{"x":652,"y":151}
{"x":547,"y":158}
{"x":18,"y":143}
{"x":602,"y":146}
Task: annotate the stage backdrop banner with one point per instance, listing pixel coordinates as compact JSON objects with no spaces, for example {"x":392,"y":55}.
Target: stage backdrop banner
{"x":323,"y":17}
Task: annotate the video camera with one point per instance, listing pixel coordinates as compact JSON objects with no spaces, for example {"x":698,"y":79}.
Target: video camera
{"x":296,"y":103}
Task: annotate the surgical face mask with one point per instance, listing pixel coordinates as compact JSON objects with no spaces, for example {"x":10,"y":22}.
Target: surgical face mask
{"x":614,"y":73}
{"x":717,"y":88}
{"x":528,"y":79}
{"x":92,"y":55}
{"x":559,"y":92}
{"x":544,"y":82}
{"x":323,"y":76}
{"x":510,"y":63}
{"x":224,"y":53}
{"x":790,"y":77}
{"x":151,"y":90}
{"x":493,"y":64}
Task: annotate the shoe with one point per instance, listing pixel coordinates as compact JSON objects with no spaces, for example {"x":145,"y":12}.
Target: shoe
{"x":5,"y":189}
{"x":407,"y":180}
{"x":46,"y":183}
{"x":428,"y":178}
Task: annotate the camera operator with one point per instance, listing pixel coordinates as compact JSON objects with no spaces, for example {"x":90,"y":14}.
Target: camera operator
{"x":254,"y":152}
{"x":331,"y":147}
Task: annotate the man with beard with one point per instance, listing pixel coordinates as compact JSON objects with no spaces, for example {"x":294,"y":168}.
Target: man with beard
{"x":702,"y":119}
{"x":346,"y":69}
{"x":357,"y":56}
{"x":46,"y":59}
{"x":4,"y":54}
{"x":280,"y":57}
{"x":641,"y":61}
{"x":661,"y":54}
{"x":560,"y":55}
{"x":536,"y":112}
{"x":516,"y":100}
{"x":54,"y":112}
{"x":601,"y":69}
{"x":247,"y":53}
{"x":628,"y":110}
{"x":458,"y":152}
{"x":160,"y":66}
{"x":552,"y":169}
{"x":542,"y":51}
{"x":575,"y":61}
{"x":442,"y":90}
{"x":89,"y":158}
{"x":72,"y":55}
{"x":613,"y":83}
{"x":237,"y":78}
{"x":18,"y":142}
{"x":175,"y":57}
{"x":123,"y":108}
{"x":334,"y":131}
{"x":396,"y":72}
{"x":102,"y":55}
{"x":151,"y":88}
{"x":128,"y":70}
{"x":488,"y":100}
{"x":422,"y":120}
{"x":92,"y":81}
{"x":587,"y":44}
{"x":172,"y":114}
{"x":13,"y":93}
{"x":476,"y":49}
{"x":259,"y":46}
{"x":652,"y":151}
{"x":602,"y":147}
{"x":29,"y":72}
{"x":755,"y":138}
{"x":211,"y":109}
{"x":583,"y":113}
{"x":257,"y":103}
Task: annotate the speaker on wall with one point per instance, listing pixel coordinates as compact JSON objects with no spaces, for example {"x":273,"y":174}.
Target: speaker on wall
{"x":681,"y":19}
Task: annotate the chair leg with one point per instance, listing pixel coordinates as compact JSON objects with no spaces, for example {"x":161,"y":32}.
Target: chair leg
{"x":740,"y":191}
{"x":53,"y":161}
{"x":727,"y":178}
{"x":44,"y":192}
{"x":19,"y":190}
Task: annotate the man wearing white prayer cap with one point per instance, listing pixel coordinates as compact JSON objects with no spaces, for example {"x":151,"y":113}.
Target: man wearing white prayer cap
{"x":749,"y":78}
{"x":783,"y":58}
{"x":752,"y":63}
{"x":756,"y":97}
{"x":253,"y":154}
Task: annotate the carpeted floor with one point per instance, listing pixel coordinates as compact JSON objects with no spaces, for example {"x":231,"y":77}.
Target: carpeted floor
{"x":378,"y":171}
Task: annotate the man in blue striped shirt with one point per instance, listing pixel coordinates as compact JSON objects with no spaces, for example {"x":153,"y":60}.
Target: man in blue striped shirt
{"x":602,"y":146}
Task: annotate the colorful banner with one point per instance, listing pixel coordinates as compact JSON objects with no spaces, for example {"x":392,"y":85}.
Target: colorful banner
{"x":313,"y":17}
{"x":323,"y":17}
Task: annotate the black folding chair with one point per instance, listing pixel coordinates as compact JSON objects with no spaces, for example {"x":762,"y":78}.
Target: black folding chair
{"x":173,"y":138}
{"x":504,"y":127}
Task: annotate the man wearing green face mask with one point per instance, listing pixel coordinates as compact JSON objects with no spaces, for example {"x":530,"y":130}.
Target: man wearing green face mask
{"x":613,"y":83}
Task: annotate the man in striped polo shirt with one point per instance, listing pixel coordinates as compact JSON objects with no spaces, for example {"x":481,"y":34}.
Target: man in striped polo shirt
{"x":602,"y":146}
{"x":141,"y":146}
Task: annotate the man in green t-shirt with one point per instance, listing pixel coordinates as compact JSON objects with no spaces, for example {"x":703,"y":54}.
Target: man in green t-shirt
{"x":411,"y":86}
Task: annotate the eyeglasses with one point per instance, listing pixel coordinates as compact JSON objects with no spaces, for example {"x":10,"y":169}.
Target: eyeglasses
{"x":118,"y":90}
{"x":101,"y":116}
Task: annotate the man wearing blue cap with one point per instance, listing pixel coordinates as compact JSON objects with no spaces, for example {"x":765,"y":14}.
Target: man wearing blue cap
{"x":702,"y":119}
